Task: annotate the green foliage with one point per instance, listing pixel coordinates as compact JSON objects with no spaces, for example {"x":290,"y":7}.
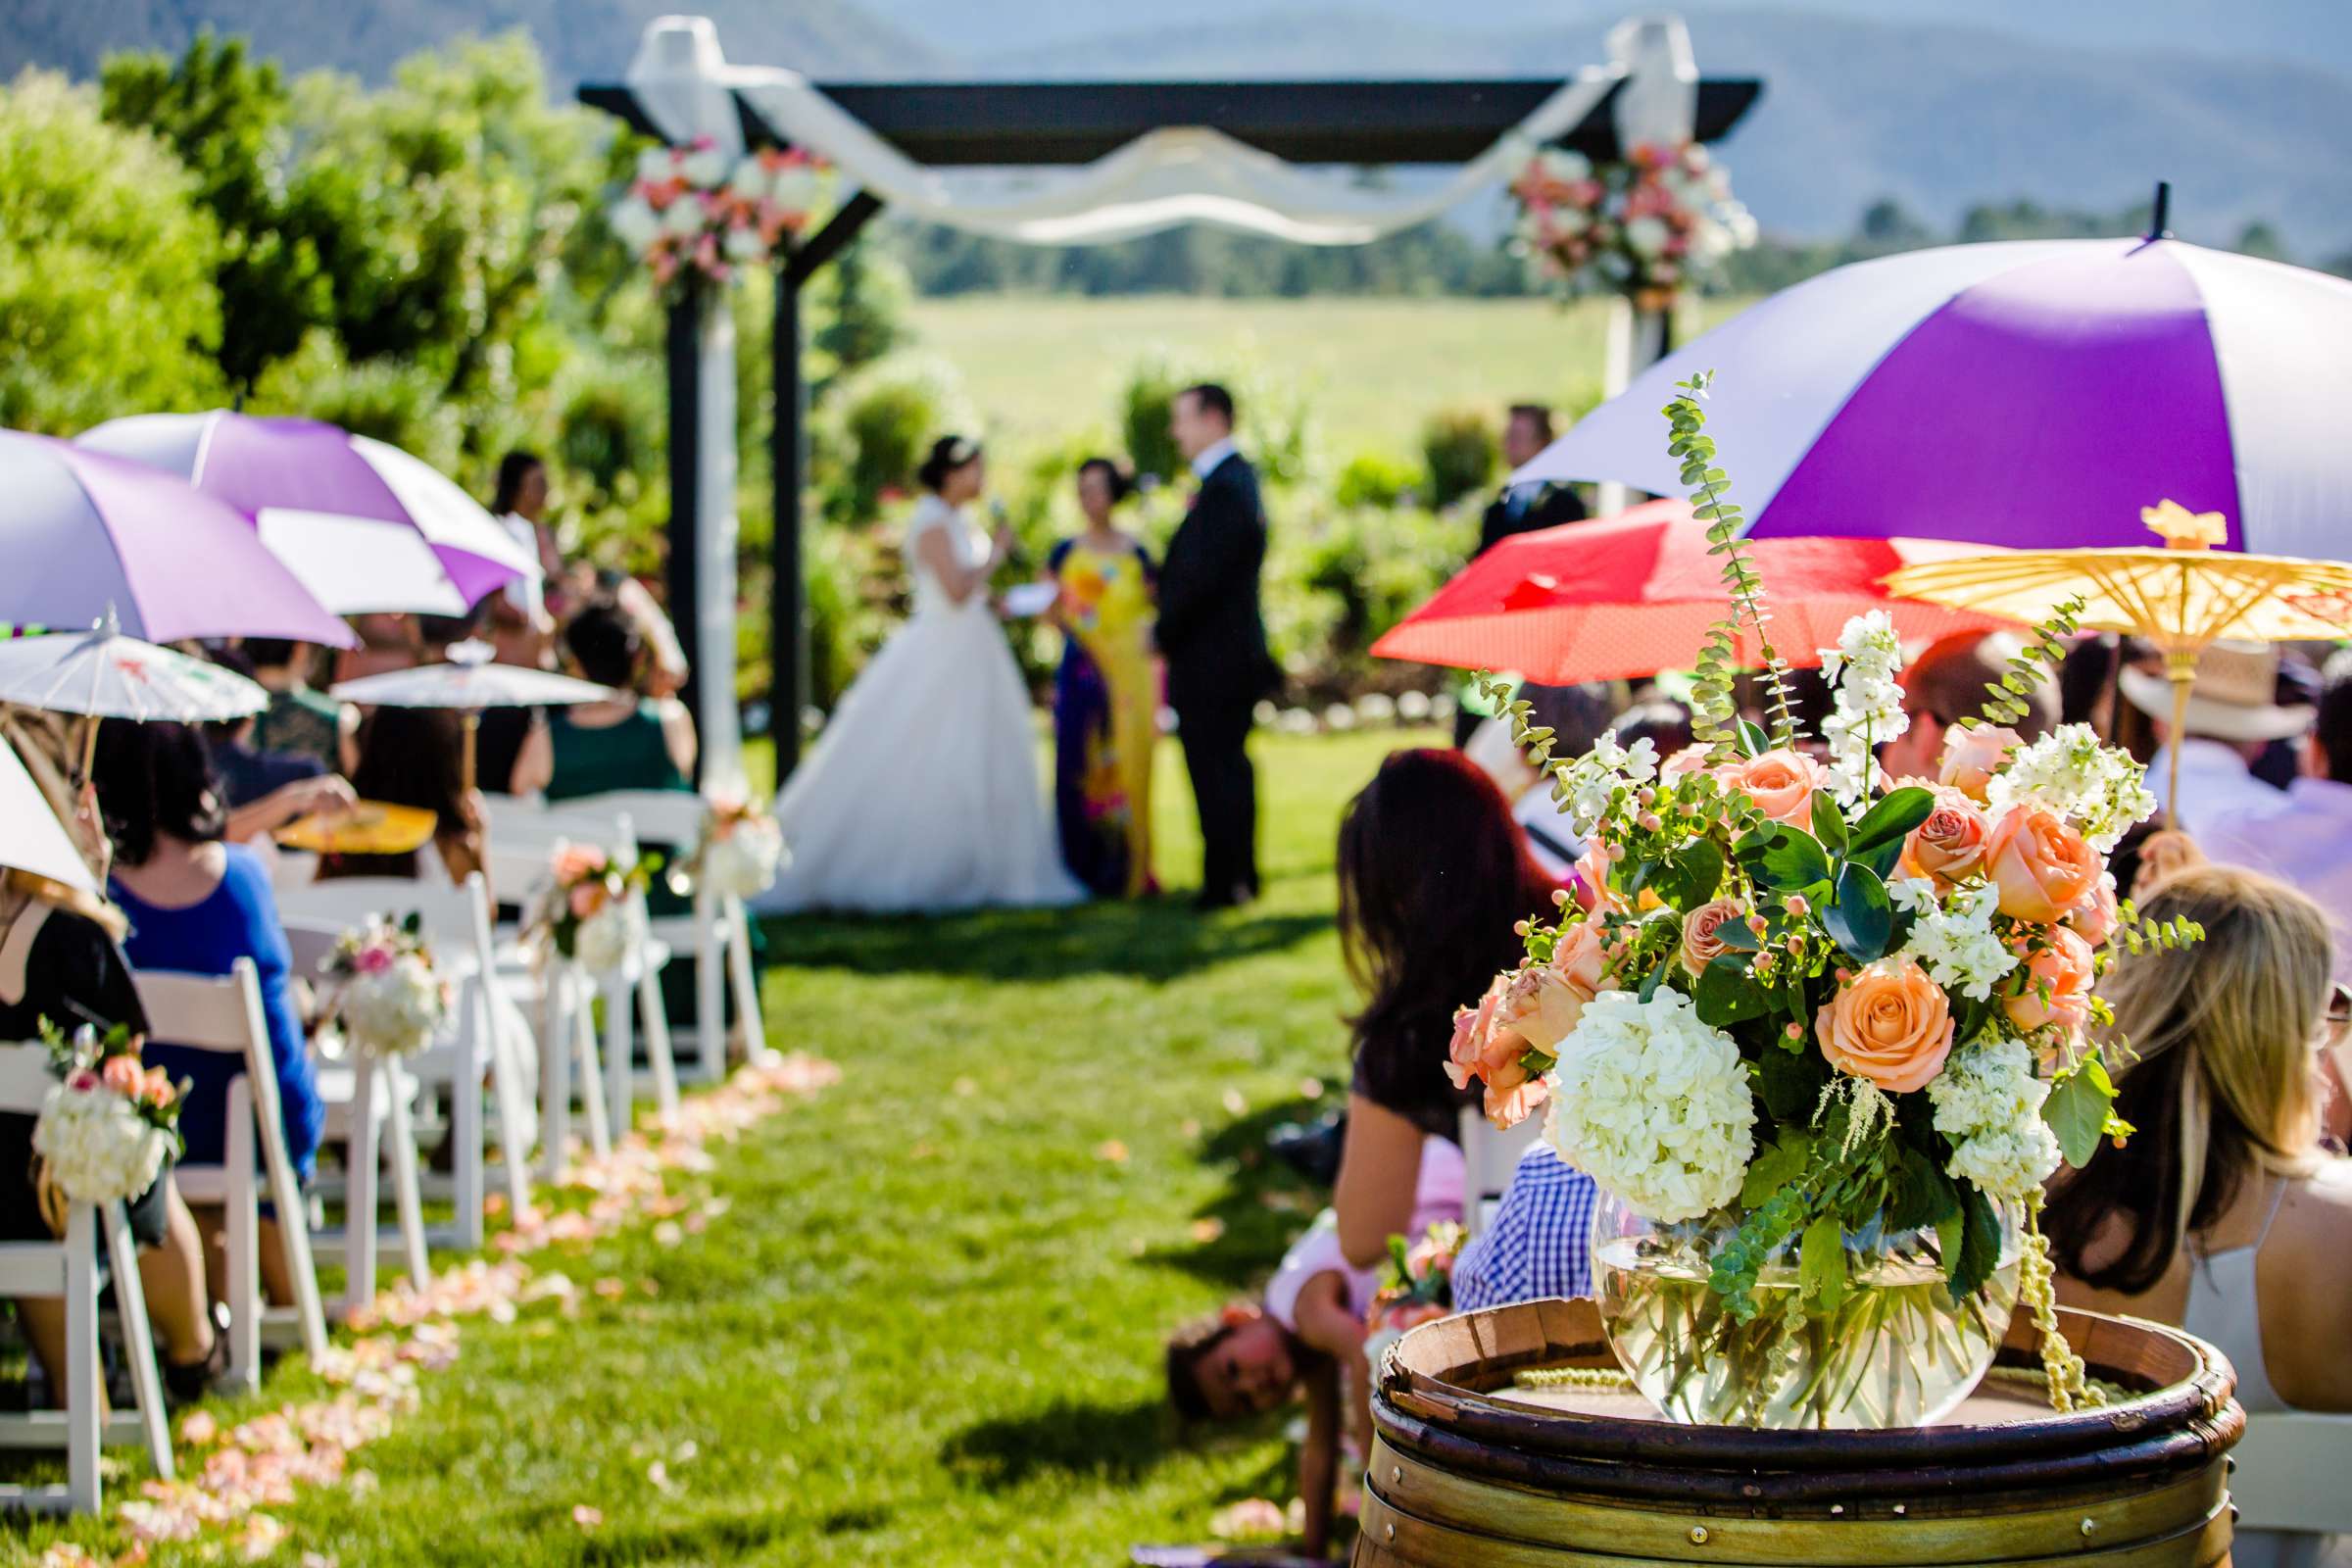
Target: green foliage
{"x":1861,"y":918}
{"x":2005,"y":699}
{"x":1713,"y":709}
{"x":1271,"y":419}
{"x":889,"y":420}
{"x":2081,"y":1109}
{"x":107,"y":300}
{"x":1376,"y":480}
{"x":2139,"y":933}
{"x":1462,"y":452}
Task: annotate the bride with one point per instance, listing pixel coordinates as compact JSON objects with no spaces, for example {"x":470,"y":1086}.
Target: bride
{"x":922,"y":792}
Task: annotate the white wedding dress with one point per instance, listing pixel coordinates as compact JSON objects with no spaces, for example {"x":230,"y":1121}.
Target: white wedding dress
{"x":922,"y":792}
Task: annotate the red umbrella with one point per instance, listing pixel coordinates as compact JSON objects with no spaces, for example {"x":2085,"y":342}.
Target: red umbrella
{"x":1634,"y":594}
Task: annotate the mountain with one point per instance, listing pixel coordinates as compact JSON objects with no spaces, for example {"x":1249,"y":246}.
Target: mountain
{"x":582,"y":41}
{"x":1937,"y":116}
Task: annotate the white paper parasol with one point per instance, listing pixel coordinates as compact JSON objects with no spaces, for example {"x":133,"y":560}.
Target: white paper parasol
{"x":468,"y":683}
{"x":104,"y":674}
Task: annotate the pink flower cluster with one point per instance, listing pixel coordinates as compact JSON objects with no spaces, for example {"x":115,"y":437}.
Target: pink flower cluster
{"x":690,"y":213}
{"x":1639,"y":227}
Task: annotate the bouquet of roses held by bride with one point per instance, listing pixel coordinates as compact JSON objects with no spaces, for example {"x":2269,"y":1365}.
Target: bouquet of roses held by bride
{"x":1809,"y":1004}
{"x":584,"y":912}
{"x":105,"y":1130}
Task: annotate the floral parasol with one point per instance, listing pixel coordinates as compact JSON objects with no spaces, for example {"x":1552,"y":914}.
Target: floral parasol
{"x":2181,"y":596}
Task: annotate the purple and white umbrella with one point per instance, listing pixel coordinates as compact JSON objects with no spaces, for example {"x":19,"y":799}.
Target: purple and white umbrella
{"x":85,"y":536}
{"x":364,"y":525}
{"x":2030,"y":393}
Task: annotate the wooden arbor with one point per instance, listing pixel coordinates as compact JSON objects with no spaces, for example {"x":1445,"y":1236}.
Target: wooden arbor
{"x":1031,"y":125}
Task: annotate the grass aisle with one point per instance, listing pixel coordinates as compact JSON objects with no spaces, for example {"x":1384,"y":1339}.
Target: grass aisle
{"x":927,"y":1329}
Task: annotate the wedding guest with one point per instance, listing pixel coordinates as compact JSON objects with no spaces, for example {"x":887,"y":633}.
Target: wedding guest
{"x":522,"y":614}
{"x":415,"y":757}
{"x":2234,"y":713}
{"x":1213,"y":633}
{"x":1576,"y":717}
{"x":512,"y":753}
{"x":2221,"y":1215}
{"x":2088,"y":694}
{"x":60,"y":970}
{"x":1520,"y":507}
{"x":2304,"y":837}
{"x":625,"y":742}
{"x":1435,"y":878}
{"x":265,"y":790}
{"x":386,"y":642}
{"x":1946,"y":685}
{"x":299,"y":721}
{"x":1105,"y":694}
{"x":197,"y":904}
{"x":1663,"y":721}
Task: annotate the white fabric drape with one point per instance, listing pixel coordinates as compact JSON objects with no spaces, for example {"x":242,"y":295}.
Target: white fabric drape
{"x":1176,"y":174}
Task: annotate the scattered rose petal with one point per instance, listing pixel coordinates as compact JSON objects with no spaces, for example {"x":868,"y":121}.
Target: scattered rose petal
{"x":1111,"y":1149}
{"x":1310,"y":1089}
{"x":1251,"y":1519}
{"x":966,"y":1085}
{"x":610,"y":1288}
{"x":1235,"y":1103}
{"x":585,"y":1517}
{"x":1190,"y":1127}
{"x":1205,"y":1231}
{"x":669,"y":1233}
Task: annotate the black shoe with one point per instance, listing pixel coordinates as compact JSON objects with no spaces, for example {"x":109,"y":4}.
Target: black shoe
{"x":188,"y":1384}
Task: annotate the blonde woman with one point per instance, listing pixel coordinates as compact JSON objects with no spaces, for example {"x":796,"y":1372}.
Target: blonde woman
{"x":2222,"y":1214}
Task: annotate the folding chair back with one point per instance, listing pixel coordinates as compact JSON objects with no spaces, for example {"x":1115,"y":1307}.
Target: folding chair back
{"x":1490,"y":1154}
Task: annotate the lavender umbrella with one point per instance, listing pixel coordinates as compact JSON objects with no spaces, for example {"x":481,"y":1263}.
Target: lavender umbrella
{"x":364,"y":525}
{"x":2030,"y":394}
{"x":85,"y":535}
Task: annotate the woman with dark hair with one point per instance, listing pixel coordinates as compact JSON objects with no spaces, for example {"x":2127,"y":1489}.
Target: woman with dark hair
{"x":625,"y":742}
{"x":1105,"y":694}
{"x":2222,"y":1213}
{"x":415,"y":757}
{"x":197,"y":904}
{"x":922,"y":792}
{"x":522,"y":615}
{"x":1435,"y":878}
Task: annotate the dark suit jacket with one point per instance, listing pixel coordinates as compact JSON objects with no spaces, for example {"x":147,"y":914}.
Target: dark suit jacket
{"x":1551,"y":503}
{"x":1211,"y":627}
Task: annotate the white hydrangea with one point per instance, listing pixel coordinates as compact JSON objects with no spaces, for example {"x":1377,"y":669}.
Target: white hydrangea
{"x":97,"y":1146}
{"x":601,"y":946}
{"x":395,"y":1010}
{"x":1586,"y":783}
{"x":1955,"y":942}
{"x":1654,"y":1104}
{"x":1989,"y":1105}
{"x":743,"y":861}
{"x":1869,"y":702}
{"x":2075,"y":774}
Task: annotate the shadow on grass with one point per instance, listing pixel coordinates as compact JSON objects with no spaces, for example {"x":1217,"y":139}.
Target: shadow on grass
{"x":1158,"y":940}
{"x":1115,"y":1443}
{"x":1263,"y":1207}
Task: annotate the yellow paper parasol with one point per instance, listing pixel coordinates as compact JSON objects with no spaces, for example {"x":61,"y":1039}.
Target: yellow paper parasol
{"x":2179,"y":596}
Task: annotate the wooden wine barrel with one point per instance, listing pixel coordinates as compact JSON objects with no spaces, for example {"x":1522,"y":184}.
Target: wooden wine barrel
{"x":1468,"y":1472}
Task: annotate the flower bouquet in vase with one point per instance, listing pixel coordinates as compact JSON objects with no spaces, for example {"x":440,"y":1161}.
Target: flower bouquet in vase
{"x":385,"y":992}
{"x":105,"y":1131}
{"x":585,"y":911}
{"x":1821,"y":1033}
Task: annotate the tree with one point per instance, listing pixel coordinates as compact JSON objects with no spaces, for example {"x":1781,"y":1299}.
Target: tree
{"x":107,"y":301}
{"x":2262,"y":240}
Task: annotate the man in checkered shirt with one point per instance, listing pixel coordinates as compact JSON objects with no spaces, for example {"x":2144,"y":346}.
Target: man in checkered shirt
{"x":1536,"y":1246}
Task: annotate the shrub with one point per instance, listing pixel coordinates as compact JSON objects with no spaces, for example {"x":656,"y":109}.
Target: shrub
{"x":885,"y":422}
{"x":1461,"y":450}
{"x":1376,"y":480}
{"x":1274,"y":423}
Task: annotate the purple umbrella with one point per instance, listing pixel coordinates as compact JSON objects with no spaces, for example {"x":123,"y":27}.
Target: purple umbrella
{"x":364,"y":525}
{"x":83,"y":533}
{"x":2035,"y":393}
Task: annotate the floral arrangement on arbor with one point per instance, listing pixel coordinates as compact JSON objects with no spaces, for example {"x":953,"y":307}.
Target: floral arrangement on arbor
{"x":689,"y":210}
{"x":1822,"y":1034}
{"x":105,"y":1130}
{"x":1416,"y":1287}
{"x":742,"y":850}
{"x":386,"y":992}
{"x":585,"y":910}
{"x":1641,"y":227}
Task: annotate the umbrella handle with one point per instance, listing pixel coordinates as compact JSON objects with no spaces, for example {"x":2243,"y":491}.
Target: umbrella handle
{"x":89,"y":748}
{"x":2180,"y":668}
{"x":472,"y":726}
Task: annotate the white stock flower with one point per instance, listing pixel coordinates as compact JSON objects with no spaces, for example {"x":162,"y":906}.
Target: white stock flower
{"x":634,"y":223}
{"x":1563,"y":165}
{"x":1587,"y":784}
{"x":1652,"y":1104}
{"x":2075,"y":774}
{"x":1869,"y":703}
{"x":1647,"y":236}
{"x":1989,"y":1105}
{"x":1955,"y":943}
{"x":748,"y":181}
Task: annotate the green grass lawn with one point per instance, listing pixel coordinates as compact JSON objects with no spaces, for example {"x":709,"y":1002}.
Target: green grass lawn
{"x":928,"y":1328}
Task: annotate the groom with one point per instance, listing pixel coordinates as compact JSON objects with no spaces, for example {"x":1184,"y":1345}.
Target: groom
{"x":1215,"y":641}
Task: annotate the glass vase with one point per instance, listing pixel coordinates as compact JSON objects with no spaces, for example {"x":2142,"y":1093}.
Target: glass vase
{"x":1897,"y":1348}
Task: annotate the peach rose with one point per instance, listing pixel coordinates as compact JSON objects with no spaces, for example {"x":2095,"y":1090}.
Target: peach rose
{"x":1701,"y":945}
{"x":1971,"y":757}
{"x":2093,"y":919}
{"x":2042,"y":867}
{"x":586,"y":899}
{"x":2063,"y":968}
{"x":157,"y":1088}
{"x":1483,"y":1049}
{"x":574,"y":862}
{"x":1890,"y":1024}
{"x":1529,"y":1009}
{"x":1781,"y":783}
{"x":120,"y":1075}
{"x":1950,"y":846}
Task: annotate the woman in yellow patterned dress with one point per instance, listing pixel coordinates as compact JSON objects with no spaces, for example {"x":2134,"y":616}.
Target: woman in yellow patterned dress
{"x":1106,"y":695}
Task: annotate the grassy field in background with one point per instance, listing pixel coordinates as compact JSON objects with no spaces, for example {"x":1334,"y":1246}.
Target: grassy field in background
{"x":928,"y":1331}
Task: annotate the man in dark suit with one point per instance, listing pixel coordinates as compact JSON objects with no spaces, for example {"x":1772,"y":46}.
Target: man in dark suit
{"x":1520,"y":507}
{"x":1215,"y":640}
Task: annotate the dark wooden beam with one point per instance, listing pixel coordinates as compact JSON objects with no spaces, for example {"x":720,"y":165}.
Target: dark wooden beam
{"x":997,"y":123}
{"x":810,"y":257}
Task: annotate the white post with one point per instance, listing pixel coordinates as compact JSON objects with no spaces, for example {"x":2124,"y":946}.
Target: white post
{"x":710,"y":639}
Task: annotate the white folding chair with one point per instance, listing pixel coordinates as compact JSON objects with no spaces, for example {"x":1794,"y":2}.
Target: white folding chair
{"x":223,"y":1014}
{"x":2292,"y":1466}
{"x":69,"y":1271}
{"x":455,"y":920}
{"x":718,"y":931}
{"x":1490,"y":1154}
{"x":521,"y":831}
{"x":369,"y":1104}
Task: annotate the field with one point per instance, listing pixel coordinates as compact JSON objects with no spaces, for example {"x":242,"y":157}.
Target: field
{"x":927,"y":1328}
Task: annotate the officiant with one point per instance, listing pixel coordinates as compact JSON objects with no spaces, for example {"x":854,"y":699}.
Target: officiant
{"x":1520,"y":507}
